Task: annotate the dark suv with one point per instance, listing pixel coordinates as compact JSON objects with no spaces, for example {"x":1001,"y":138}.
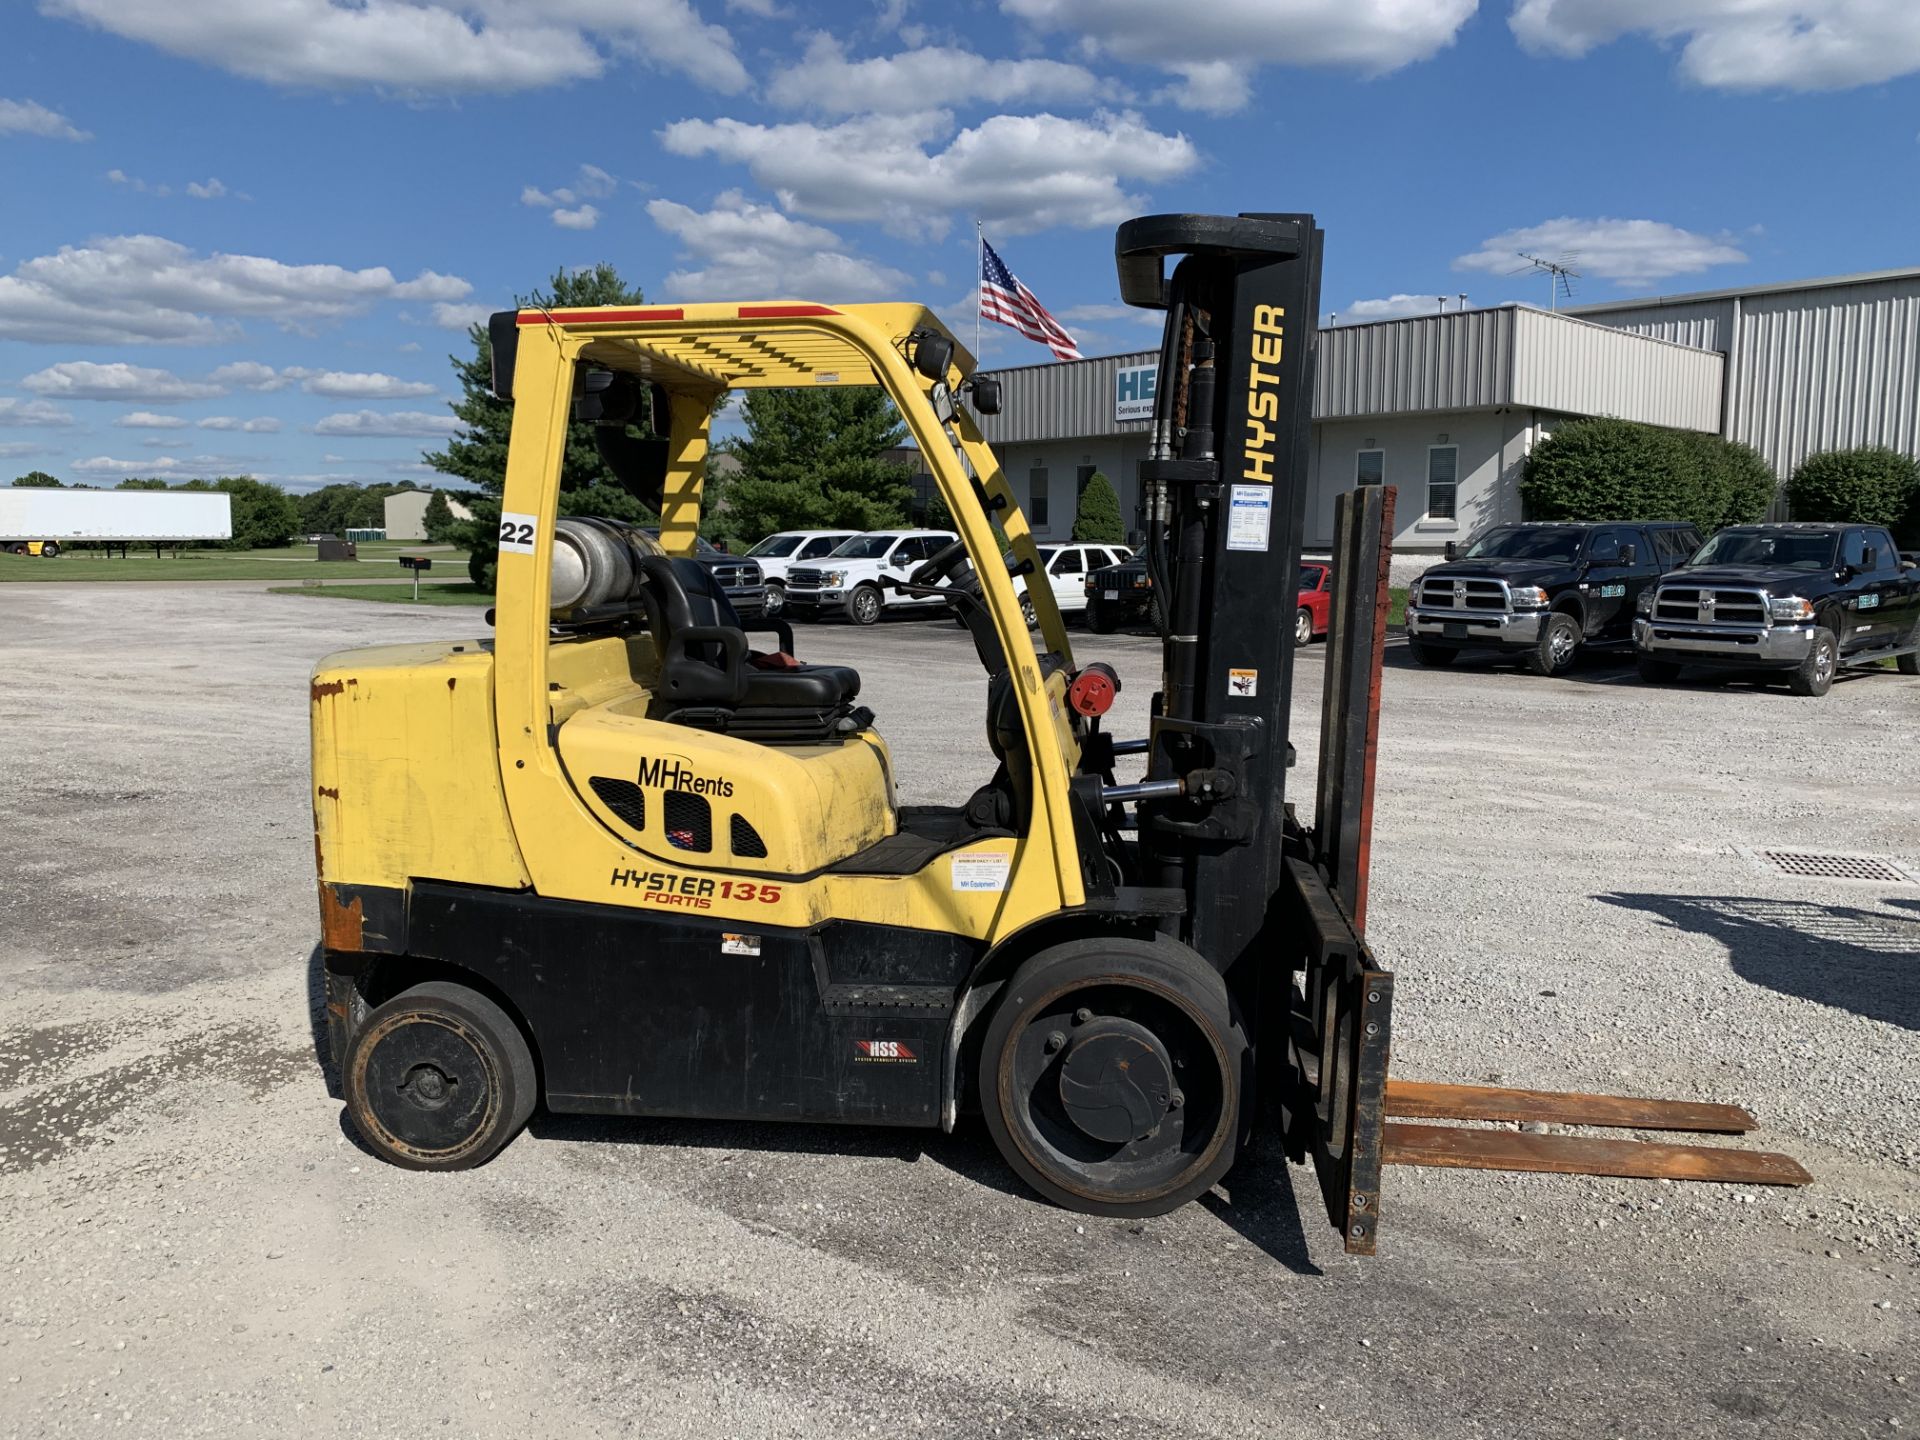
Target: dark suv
{"x":739,"y":576}
{"x":1801,"y":599}
{"x":1542,"y":591}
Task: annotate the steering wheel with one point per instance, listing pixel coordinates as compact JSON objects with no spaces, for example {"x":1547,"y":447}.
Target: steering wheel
{"x":966,"y":600}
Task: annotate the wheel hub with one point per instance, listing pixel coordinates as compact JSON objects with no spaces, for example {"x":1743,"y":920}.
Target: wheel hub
{"x":428,"y":1086}
{"x":1115,"y":1083}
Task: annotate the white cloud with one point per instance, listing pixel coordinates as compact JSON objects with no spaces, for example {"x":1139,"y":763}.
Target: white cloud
{"x":592,"y":183}
{"x":143,"y":288}
{"x":137,"y":185}
{"x":258,"y":425}
{"x":399,"y":423}
{"x":86,"y":380}
{"x":1397,"y":307}
{"x":35,"y":414}
{"x":209,"y":189}
{"x":584,"y":218}
{"x":360,"y":385}
{"x":1098,"y":314}
{"x":148,"y":420}
{"x":251,"y":375}
{"x":1017,"y":172}
{"x":1633,"y":252}
{"x":204,"y":465}
{"x":1215,"y":47}
{"x":749,"y":251}
{"x":162,"y":442}
{"x":458,"y":317}
{"x":413,"y":48}
{"x":9,"y":449}
{"x":930,"y":78}
{"x":27,"y":117}
{"x":1742,"y":44}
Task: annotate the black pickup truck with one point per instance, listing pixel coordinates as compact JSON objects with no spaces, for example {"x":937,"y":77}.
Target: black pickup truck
{"x":1801,"y":599}
{"x":1542,"y":591}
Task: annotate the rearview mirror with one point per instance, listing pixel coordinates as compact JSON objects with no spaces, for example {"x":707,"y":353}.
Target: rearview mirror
{"x":1868,"y":558}
{"x":1628,"y":554}
{"x":1453,"y":550}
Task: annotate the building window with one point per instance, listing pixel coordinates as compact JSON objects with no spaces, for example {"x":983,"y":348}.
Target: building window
{"x":1443,"y":474}
{"x":1370,"y":467}
{"x":1037,"y":497}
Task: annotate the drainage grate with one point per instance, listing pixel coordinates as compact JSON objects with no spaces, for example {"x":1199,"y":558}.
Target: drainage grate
{"x":1837,"y":867}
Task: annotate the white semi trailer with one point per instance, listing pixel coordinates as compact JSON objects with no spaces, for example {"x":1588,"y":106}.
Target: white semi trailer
{"x":44,"y":521}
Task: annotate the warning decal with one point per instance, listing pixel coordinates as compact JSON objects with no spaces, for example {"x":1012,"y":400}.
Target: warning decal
{"x":1243,"y":684}
{"x":981,"y":872}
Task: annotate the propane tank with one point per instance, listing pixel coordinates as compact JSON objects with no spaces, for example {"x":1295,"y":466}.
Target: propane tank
{"x":596,"y":562}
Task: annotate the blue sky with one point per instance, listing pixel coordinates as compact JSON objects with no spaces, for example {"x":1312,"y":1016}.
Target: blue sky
{"x":242,"y":236}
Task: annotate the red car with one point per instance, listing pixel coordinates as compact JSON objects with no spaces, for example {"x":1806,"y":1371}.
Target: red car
{"x":1316,"y":596}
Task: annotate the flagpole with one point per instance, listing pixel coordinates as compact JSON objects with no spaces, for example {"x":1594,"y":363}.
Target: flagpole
{"x":979,"y":283}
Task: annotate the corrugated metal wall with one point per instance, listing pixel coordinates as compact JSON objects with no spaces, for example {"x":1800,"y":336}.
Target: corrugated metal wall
{"x":1462,"y":361}
{"x":1581,"y":369}
{"x":1826,"y":367}
{"x":1830,"y":375}
{"x":1050,"y":402}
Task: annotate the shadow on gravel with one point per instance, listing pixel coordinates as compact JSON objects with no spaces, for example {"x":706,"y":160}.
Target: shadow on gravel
{"x":317,"y":1022}
{"x":968,"y":1152}
{"x":1262,"y":1208}
{"x":1836,"y":955}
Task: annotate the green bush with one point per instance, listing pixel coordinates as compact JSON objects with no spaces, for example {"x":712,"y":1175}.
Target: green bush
{"x":1870,"y":486}
{"x":1098,"y":518}
{"x":1604,"y":469}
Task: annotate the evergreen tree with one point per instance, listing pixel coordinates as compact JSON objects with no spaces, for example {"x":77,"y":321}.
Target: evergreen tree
{"x":816,"y":458}
{"x":37,"y":480}
{"x":438,"y":520}
{"x":1098,"y":518}
{"x":137,"y":484}
{"x":479,"y":456}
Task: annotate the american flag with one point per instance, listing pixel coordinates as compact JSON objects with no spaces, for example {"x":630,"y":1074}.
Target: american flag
{"x":1005,"y":300}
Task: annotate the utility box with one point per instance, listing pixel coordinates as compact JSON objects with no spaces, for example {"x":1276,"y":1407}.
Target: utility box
{"x":339,"y":550}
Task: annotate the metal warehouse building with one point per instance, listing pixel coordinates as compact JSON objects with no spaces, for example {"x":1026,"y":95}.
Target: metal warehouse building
{"x":1447,"y":406}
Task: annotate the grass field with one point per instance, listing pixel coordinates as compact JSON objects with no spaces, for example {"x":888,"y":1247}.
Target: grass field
{"x":464,"y":593}
{"x":379,"y":559}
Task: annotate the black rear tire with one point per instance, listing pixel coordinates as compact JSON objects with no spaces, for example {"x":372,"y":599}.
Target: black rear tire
{"x":1112,"y":1076}
{"x":439,"y":1078}
{"x":1813,"y":676}
{"x":1558,"y":646}
{"x":1434,"y":657}
{"x":1656,"y":672}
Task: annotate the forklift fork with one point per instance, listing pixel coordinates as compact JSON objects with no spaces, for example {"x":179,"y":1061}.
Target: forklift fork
{"x":1337,"y":1029}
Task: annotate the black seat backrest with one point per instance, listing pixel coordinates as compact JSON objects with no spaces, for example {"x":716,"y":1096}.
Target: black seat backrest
{"x":696,"y":631}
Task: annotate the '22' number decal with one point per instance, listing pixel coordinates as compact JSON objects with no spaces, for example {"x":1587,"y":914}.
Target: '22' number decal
{"x":517,"y":532}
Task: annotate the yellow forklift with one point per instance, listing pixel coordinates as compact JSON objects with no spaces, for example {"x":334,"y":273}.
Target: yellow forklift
{"x":633,"y":855}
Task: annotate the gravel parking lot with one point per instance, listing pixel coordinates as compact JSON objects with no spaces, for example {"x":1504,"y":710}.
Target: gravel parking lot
{"x":192,"y":1245}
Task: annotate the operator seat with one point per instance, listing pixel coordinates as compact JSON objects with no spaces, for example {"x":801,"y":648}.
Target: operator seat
{"x":710,"y":679}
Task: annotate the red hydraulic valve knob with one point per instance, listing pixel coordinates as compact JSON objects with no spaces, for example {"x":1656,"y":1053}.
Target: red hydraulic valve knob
{"x":1093,"y":689}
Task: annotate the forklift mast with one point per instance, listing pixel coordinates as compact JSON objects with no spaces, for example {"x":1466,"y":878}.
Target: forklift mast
{"x":1224,"y":486}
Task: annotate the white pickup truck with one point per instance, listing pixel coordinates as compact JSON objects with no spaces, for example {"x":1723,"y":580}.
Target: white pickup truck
{"x":853,"y":579}
{"x":779,"y":554}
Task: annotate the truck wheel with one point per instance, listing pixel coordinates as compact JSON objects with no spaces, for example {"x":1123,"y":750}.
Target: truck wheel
{"x":1909,"y":663}
{"x":50,"y":549}
{"x":439,"y":1078}
{"x":773,"y":599}
{"x":1112,"y":1073}
{"x":1156,"y":613}
{"x":1434,"y":657}
{"x":1814,"y":675}
{"x":1303,"y":626}
{"x":1553,"y":653}
{"x":1657,"y":672}
{"x":863,"y":605}
{"x":1027,"y":612}
{"x":1098,"y":620}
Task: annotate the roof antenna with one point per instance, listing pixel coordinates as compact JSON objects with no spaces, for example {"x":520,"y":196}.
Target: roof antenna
{"x":1560,"y":275}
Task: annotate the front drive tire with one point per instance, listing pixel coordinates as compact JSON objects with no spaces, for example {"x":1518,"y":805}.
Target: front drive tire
{"x":438,"y":1078}
{"x":863,"y":605}
{"x":1559,"y":644}
{"x":1656,"y":672}
{"x":1434,"y":657}
{"x":1113,"y":1075}
{"x":1813,"y":676}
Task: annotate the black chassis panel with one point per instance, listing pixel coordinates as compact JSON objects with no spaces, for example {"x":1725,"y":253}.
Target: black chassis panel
{"x":637,"y":1013}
